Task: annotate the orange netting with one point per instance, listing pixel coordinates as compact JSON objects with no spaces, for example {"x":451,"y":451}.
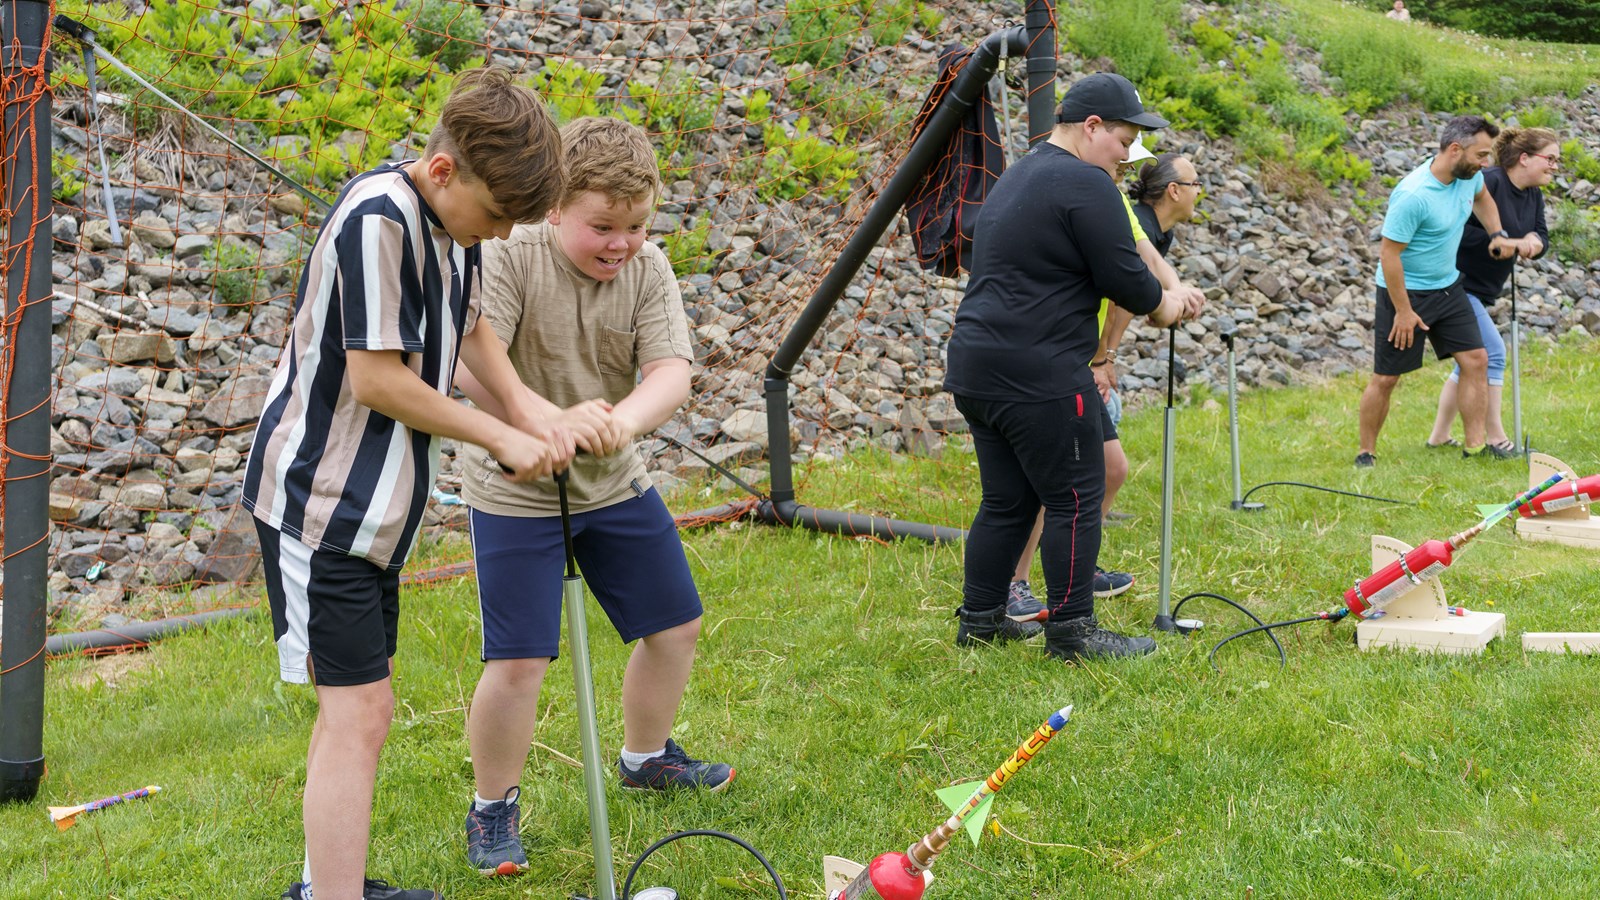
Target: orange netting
{"x":775,"y":124}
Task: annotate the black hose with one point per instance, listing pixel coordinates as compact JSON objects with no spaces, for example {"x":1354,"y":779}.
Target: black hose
{"x":1283,"y":656}
{"x":627,"y":883}
{"x":1317,"y":487}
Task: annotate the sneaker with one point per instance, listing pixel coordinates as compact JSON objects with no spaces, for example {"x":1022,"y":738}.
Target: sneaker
{"x":1444,"y":445}
{"x":1110,"y":584}
{"x":1117,"y":515}
{"x":371,"y":889}
{"x":1022,"y":605}
{"x":1072,"y":639}
{"x":1490,"y":451}
{"x":676,"y":769}
{"x":992,"y":627}
{"x":494,"y":843}
{"x":1366,"y":460}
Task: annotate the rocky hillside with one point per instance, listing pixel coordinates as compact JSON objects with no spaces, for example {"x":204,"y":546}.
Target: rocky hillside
{"x":158,"y":382}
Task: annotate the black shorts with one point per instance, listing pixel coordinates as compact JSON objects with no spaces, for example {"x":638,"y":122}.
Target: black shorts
{"x":341,"y":611}
{"x":1452,"y":328}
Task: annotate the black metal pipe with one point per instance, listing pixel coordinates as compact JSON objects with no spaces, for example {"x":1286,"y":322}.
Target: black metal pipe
{"x":852,"y":525}
{"x":25,"y":170}
{"x":1041,"y":22}
{"x":963,"y":93}
{"x":137,"y":634}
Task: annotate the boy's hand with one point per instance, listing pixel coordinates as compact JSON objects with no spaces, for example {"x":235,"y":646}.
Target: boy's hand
{"x":527,"y":458}
{"x":593,"y":426}
{"x":555,"y":432}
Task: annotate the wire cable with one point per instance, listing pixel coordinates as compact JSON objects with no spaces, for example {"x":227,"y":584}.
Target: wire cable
{"x":1318,"y":487}
{"x":1267,"y":627}
{"x":627,"y":883}
{"x":1283,"y":656}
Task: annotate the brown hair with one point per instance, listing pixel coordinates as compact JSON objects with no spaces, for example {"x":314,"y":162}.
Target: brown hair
{"x":1513,"y":142}
{"x":610,"y":156}
{"x":501,"y":134}
{"x":1155,"y":178}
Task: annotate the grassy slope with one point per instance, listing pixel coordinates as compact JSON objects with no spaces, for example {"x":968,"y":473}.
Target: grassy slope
{"x":828,"y":677}
{"x":1535,"y":67}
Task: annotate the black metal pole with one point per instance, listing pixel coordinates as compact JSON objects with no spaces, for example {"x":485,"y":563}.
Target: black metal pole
{"x":25,"y":364}
{"x":969,"y":84}
{"x":1041,"y":22}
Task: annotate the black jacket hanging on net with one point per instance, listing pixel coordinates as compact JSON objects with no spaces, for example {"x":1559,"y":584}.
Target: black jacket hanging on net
{"x":943,"y":208}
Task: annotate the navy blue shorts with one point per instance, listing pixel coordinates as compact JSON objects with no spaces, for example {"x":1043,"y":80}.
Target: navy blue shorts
{"x":628,"y":553}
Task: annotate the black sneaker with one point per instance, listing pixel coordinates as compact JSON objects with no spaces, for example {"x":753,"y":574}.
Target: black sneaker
{"x":1022,"y":605}
{"x":1492,"y":451}
{"x":494,"y":844}
{"x":1446,"y":444}
{"x":371,"y":889}
{"x":1110,"y":584}
{"x":1073,"y":639}
{"x":1366,"y":460}
{"x":992,"y":627}
{"x":676,"y":769}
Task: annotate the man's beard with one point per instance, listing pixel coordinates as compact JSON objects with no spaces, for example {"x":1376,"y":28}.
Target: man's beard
{"x":1464,"y":169}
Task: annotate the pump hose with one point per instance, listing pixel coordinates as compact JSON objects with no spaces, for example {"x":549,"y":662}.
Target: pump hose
{"x":627,"y":883}
{"x":1267,"y":627}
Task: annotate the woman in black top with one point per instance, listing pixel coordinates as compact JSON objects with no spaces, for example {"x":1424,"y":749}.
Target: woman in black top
{"x":1052,"y":239}
{"x":1528,"y":159}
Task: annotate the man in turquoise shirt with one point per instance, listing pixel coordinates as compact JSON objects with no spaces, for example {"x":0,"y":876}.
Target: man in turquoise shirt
{"x":1419,"y":289}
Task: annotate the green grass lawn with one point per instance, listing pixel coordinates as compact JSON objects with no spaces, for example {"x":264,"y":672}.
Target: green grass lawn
{"x":1465,"y":65}
{"x":828,"y":677}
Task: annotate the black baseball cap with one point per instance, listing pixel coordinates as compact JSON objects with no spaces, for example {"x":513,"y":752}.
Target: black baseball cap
{"x":1109,"y":96}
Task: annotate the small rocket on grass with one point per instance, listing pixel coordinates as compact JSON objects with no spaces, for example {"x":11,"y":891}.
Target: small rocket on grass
{"x":67,"y":816}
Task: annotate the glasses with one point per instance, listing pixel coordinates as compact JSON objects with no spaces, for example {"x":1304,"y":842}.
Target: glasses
{"x":1551,"y":158}
{"x":1193,"y":184}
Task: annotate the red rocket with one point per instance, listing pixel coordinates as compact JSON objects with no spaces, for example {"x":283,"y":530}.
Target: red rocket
{"x":1425,"y":562}
{"x":1563,"y":496}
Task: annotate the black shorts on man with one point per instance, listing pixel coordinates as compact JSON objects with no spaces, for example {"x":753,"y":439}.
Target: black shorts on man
{"x":1452,"y":328}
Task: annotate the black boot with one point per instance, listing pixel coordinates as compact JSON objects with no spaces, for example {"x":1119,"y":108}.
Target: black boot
{"x":1083,"y":638}
{"x":994,"y":625}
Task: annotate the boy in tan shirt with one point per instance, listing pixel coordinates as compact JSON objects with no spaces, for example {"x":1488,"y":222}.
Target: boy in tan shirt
{"x":594,"y":324}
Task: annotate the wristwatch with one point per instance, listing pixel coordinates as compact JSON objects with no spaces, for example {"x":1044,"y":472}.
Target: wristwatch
{"x":1500,"y":233}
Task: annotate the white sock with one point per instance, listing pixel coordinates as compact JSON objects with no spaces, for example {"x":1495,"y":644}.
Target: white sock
{"x":635,"y":760}
{"x":305,"y":877}
{"x":480,"y":803}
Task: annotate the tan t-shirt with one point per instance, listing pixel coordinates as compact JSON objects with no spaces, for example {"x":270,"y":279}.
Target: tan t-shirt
{"x":572,"y":338}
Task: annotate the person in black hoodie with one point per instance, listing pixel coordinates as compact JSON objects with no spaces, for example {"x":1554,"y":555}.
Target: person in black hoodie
{"x":1052,"y":239}
{"x":1527,"y":161}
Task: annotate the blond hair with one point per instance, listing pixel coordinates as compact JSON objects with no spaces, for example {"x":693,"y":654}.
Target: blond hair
{"x":501,"y":134}
{"x":610,"y":156}
{"x":1513,"y":142}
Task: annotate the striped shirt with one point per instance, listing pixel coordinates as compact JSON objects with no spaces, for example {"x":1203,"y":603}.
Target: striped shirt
{"x":383,"y":275}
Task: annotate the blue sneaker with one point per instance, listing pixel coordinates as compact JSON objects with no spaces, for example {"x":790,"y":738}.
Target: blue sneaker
{"x":1022,"y":605}
{"x":1110,"y":584}
{"x":494,"y":845}
{"x":675,"y":769}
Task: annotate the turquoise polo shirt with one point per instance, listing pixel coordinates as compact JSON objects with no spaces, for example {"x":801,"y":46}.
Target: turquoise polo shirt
{"x":1427,"y":217}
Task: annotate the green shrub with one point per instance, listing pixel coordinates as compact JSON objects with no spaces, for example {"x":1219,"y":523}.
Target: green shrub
{"x":1133,"y":33}
{"x":1579,"y":161}
{"x":570,"y":90}
{"x":1213,"y":43}
{"x":65,"y":168}
{"x":687,"y":248}
{"x":237,"y":277}
{"x":795,"y":165}
{"x":758,"y":107}
{"x":1539,"y":116}
{"x":888,"y":20}
{"x":450,"y":31}
{"x":819,"y":32}
{"x":1574,"y":231}
{"x":679,"y":114}
{"x":1376,"y":66}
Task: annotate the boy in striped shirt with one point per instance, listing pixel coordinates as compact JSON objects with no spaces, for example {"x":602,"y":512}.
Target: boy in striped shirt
{"x":346,"y":450}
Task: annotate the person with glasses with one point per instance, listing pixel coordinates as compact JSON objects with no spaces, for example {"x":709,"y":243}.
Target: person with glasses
{"x":1419,"y":289}
{"x":1052,"y":239}
{"x":1527,"y":161}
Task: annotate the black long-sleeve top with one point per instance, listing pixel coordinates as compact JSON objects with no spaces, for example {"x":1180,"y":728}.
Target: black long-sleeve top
{"x":1052,"y":239}
{"x":1521,"y":212}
